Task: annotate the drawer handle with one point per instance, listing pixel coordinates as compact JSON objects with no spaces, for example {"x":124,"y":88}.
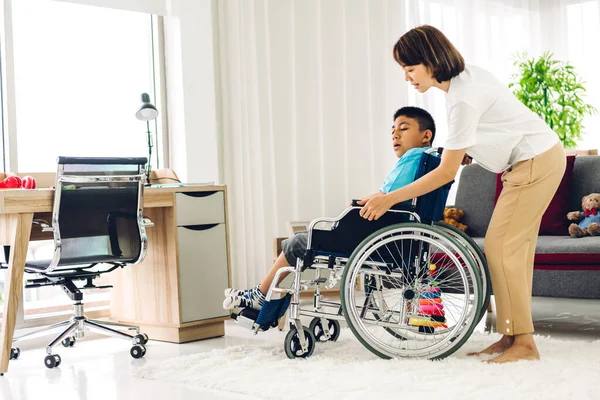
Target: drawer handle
{"x":200,"y":194}
{"x":202,"y":227}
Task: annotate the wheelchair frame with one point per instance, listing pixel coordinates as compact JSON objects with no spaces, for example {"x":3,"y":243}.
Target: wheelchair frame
{"x":295,"y":311}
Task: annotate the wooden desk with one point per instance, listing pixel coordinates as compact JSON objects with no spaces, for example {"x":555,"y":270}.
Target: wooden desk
{"x":163,"y":294}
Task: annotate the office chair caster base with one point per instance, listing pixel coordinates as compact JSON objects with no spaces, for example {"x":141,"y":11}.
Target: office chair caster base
{"x":52,"y":360}
{"x":15,"y":352}
{"x":138,"y":351}
{"x":68,"y":341}
{"x":141,"y":338}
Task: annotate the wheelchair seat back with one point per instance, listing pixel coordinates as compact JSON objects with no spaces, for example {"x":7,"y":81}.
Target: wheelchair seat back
{"x":430,"y":206}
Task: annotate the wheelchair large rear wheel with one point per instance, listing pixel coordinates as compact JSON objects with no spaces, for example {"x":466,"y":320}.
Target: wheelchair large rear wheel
{"x":376,"y":283}
{"x":430,"y":297}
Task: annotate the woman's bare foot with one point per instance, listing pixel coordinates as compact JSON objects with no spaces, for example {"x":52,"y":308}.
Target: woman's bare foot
{"x":499,"y":347}
{"x":523,"y":348}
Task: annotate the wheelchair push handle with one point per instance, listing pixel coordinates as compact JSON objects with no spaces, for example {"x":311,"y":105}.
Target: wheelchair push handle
{"x":439,"y":150}
{"x":399,"y":207}
{"x":354,"y":203}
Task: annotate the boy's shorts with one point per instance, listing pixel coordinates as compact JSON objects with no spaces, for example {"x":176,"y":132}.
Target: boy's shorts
{"x":295,"y":247}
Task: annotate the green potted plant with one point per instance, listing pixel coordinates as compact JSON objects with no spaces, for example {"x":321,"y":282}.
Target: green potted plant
{"x":553,"y":90}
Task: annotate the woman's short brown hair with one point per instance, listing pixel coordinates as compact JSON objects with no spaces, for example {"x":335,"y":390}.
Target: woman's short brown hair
{"x":429,"y":46}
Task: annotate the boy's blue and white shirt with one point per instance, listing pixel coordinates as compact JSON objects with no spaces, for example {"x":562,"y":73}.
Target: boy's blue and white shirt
{"x":404,"y":171}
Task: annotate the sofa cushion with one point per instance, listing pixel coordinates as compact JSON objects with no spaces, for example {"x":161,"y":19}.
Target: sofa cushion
{"x":477,"y":187}
{"x":475,"y":196}
{"x":563,"y":250}
{"x":554,"y":220}
{"x":586,"y":180}
{"x":568,"y":245}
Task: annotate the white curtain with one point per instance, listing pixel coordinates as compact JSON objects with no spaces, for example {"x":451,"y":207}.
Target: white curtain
{"x":308,"y":89}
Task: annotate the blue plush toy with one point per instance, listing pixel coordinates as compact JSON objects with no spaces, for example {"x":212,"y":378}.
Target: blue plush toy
{"x":589,"y":218}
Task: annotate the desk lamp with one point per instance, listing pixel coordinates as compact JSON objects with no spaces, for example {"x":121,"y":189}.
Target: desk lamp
{"x":147,"y":112}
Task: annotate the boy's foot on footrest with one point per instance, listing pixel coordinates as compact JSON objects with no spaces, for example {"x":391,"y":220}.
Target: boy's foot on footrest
{"x":235,"y":302}
{"x":231,"y":292}
{"x":249,"y":298}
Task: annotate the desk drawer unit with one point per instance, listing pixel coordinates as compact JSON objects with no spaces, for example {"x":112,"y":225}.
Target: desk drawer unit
{"x":197,"y":208}
{"x":202,"y":250}
{"x":202,"y":270}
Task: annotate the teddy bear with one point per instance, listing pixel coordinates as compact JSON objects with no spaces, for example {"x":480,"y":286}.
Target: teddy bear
{"x":589,"y":218}
{"x":452,"y":216}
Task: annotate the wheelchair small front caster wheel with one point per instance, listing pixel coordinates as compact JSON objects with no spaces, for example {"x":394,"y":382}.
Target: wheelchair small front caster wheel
{"x":141,"y":338}
{"x":51,"y":361}
{"x":138,"y":351}
{"x":316,"y":328}
{"x":15,"y":352}
{"x":69,"y":341}
{"x":292,"y":346}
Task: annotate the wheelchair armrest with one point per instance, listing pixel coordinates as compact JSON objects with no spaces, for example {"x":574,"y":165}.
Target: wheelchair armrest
{"x":397,"y":207}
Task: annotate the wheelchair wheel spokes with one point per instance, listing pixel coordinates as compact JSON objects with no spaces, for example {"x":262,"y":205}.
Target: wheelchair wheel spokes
{"x":421,"y":292}
{"x":377,"y":298}
{"x":478,"y":256}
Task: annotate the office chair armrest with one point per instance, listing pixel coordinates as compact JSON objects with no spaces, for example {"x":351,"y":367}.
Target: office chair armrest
{"x":147,"y":222}
{"x":44,"y":225}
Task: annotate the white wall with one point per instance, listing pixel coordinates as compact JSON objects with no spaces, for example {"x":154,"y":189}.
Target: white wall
{"x":191,"y":94}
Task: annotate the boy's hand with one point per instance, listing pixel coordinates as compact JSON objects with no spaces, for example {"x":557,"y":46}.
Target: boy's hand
{"x":375,"y":207}
{"x":466,"y":160}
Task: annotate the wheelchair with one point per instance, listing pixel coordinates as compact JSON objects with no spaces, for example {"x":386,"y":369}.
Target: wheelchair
{"x":410,"y":286}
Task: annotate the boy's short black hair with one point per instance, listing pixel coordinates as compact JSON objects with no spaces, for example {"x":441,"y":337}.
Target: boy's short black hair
{"x":423,"y":118}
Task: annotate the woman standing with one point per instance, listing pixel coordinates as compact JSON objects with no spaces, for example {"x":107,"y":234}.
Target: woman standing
{"x":489,"y":123}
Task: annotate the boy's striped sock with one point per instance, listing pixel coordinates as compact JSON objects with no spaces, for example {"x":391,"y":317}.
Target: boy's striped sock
{"x":244,"y":298}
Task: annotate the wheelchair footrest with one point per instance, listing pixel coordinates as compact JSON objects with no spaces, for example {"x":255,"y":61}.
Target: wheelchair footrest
{"x":246,"y":317}
{"x":272,"y":310}
{"x":267,"y":317}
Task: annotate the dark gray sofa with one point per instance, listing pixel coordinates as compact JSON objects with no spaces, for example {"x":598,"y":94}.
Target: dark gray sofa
{"x":563,"y":266}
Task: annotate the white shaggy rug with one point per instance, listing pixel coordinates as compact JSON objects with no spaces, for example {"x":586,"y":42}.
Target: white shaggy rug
{"x":346,"y":370}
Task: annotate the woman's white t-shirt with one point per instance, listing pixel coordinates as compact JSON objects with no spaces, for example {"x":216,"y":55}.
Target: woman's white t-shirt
{"x":487,"y":119}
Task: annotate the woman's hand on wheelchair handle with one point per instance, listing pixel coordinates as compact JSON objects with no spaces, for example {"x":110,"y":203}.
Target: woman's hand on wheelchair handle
{"x":375,"y":207}
{"x":364,"y":201}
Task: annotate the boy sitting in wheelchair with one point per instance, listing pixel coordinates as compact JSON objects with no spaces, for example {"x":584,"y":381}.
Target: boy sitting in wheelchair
{"x":412,"y":133}
{"x":408,"y":289}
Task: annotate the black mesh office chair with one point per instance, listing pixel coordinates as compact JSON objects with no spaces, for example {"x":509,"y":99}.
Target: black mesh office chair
{"x":97,"y":226}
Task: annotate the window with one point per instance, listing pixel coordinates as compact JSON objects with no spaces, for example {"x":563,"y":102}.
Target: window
{"x":3,"y":150}
{"x":2,"y":141}
{"x":79,"y":74}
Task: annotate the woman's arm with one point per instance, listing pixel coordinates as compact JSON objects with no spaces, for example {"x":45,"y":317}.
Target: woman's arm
{"x":451,"y":161}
